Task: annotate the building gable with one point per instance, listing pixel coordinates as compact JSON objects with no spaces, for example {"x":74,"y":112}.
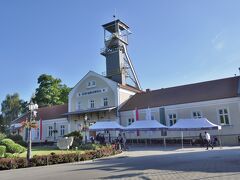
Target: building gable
{"x":92,"y":87}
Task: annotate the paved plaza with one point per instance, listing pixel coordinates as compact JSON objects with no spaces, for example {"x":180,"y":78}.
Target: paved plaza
{"x":143,"y":163}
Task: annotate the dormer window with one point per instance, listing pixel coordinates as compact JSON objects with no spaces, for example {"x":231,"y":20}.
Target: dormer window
{"x":91,"y":84}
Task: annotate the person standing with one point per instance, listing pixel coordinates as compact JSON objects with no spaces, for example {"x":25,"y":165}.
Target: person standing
{"x":208,"y":139}
{"x":124,"y":139}
{"x":119,"y":139}
{"x":201,"y":140}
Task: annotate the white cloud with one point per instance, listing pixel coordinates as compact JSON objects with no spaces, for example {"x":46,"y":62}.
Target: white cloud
{"x":218,"y":42}
{"x":219,"y":45}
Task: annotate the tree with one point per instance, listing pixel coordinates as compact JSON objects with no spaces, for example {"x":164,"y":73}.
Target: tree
{"x":64,"y":93}
{"x":2,"y":125}
{"x":50,"y":91}
{"x":12,"y":107}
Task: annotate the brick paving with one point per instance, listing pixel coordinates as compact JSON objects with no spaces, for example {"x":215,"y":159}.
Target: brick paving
{"x":143,"y":163}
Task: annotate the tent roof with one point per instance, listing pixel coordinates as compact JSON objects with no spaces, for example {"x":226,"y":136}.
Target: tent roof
{"x":105,"y":126}
{"x":145,"y":125}
{"x":193,"y":125}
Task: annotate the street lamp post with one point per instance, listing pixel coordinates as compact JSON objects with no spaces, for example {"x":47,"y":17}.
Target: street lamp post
{"x":85,"y":128}
{"x":32,"y":108}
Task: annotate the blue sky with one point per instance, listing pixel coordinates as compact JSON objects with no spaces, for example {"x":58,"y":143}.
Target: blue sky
{"x":173,"y":42}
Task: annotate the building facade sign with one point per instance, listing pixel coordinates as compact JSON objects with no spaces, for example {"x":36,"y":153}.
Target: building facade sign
{"x":95,"y":91}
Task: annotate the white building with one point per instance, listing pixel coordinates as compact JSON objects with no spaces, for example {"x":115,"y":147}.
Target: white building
{"x":51,"y":123}
{"x":217,"y":100}
{"x":116,"y":96}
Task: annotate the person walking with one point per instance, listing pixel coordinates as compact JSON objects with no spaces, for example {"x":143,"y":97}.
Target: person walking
{"x":201,"y":140}
{"x":119,"y":139}
{"x":208,"y":139}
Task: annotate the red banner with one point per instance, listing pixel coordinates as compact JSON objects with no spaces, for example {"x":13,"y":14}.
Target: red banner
{"x":40,"y":128}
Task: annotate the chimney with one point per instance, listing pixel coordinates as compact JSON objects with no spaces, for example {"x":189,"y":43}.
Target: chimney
{"x":148,"y":90}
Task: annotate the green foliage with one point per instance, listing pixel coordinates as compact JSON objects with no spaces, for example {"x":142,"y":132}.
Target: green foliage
{"x":2,"y":125}
{"x":12,"y":147}
{"x":2,"y":151}
{"x":50,"y":91}
{"x":76,"y":134}
{"x":64,"y":93}
{"x":2,"y":136}
{"x":77,"y":141}
{"x":9,"y":155}
{"x":12,"y":107}
{"x":17,"y":139}
{"x":14,"y":163}
{"x":88,"y":146}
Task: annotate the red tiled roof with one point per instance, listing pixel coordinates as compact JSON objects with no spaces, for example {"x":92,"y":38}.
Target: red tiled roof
{"x":46,"y":113}
{"x":204,"y":91}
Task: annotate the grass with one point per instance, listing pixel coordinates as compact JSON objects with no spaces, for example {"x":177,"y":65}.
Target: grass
{"x":41,"y":150}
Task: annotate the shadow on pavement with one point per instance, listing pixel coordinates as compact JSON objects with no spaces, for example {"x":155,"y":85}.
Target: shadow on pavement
{"x":213,"y":161}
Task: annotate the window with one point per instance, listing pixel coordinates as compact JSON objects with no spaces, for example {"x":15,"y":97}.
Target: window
{"x":78,"y":105}
{"x":223,"y":116}
{"x":105,"y":101}
{"x":62,"y":130}
{"x":91,"y":84}
{"x":50,"y":131}
{"x":130,"y":121}
{"x":172,"y":118}
{"x":91,"y":103}
{"x":197,"y":114}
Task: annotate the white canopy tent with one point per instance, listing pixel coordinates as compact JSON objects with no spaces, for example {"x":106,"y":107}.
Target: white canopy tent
{"x":145,"y":125}
{"x":195,"y":124}
{"x":106,"y":126}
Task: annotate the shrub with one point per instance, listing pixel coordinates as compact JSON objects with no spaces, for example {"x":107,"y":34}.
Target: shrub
{"x":12,"y":147}
{"x":2,"y":151}
{"x":13,"y":163}
{"x":18,"y":139}
{"x":2,"y":136}
{"x":9,"y":155}
{"x":5,"y":163}
{"x":76,"y":134}
{"x":89,"y":146}
{"x":77,"y":141}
